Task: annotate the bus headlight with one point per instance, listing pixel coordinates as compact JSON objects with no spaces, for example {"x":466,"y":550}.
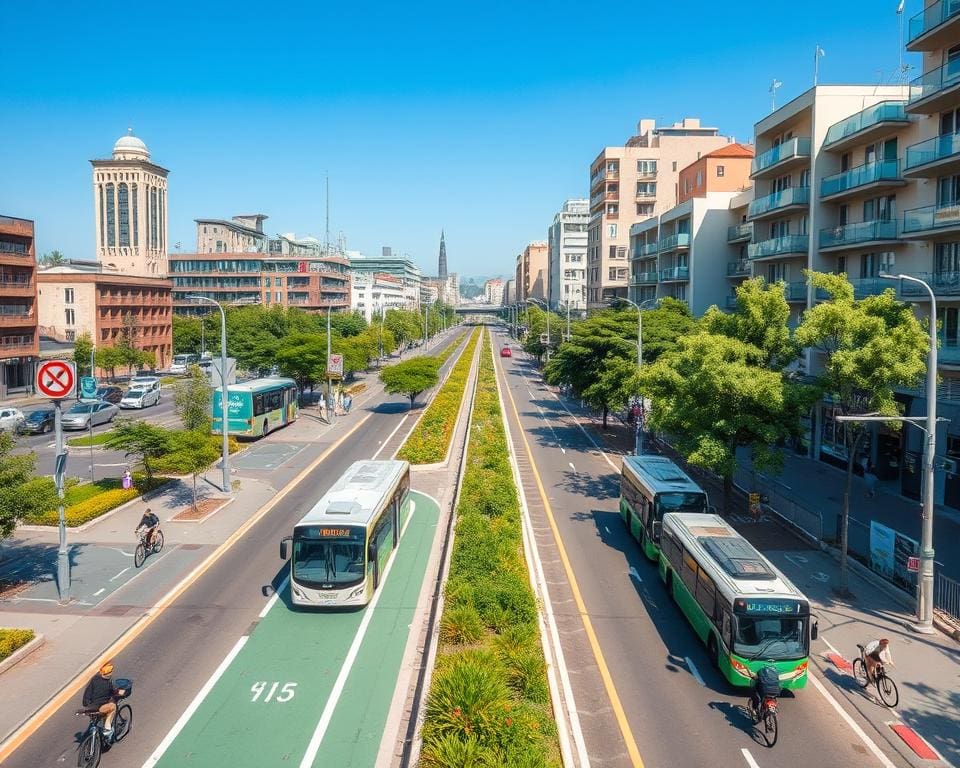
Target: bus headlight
{"x":740,"y":668}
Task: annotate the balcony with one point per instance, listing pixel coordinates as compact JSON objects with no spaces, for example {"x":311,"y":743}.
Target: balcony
{"x":855,"y":235}
{"x":16,"y":316}
{"x":778,"y":202}
{"x":647,"y":175}
{"x":863,"y":178}
{"x":731,"y":302}
{"x":936,"y":90}
{"x":934,"y":157}
{"x":11,"y":286}
{"x":645,"y":278}
{"x":871,"y":123}
{"x":795,"y":292}
{"x":919,"y":223}
{"x":738,"y":269}
{"x":740,"y":233}
{"x":674,"y":242}
{"x":17,"y":346}
{"x":780,"y":158}
{"x":646,"y":194}
{"x":603,"y":176}
{"x":935,"y":27}
{"x":650,"y":249}
{"x":674,"y":274}
{"x":788,"y":245}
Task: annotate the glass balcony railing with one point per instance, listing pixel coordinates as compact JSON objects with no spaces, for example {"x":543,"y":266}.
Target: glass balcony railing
{"x":931,"y":217}
{"x":731,"y":302}
{"x":796,"y":147}
{"x":740,"y":232}
{"x":675,"y":273}
{"x":931,"y":150}
{"x":869,"y":173}
{"x":680,"y":240}
{"x":861,"y":232}
{"x":932,"y":16}
{"x":883,"y":112}
{"x":934,"y":81}
{"x":650,"y":249}
{"x":778,"y":246}
{"x":782,"y":199}
{"x":641,"y":278}
{"x":738,"y":268}
{"x":796,"y":291}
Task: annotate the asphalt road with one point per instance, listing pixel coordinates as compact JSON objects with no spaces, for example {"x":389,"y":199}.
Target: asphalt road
{"x":180,"y":650}
{"x":679,"y":710}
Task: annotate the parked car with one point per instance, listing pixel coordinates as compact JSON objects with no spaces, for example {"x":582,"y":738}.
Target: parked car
{"x":140,"y":397}
{"x":505,"y":352}
{"x":141,"y":380}
{"x":110,"y":394}
{"x":37,"y":422}
{"x":181,"y":363}
{"x":82,"y":415}
{"x":10,"y":419}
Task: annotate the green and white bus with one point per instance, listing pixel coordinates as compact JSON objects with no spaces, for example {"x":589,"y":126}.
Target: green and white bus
{"x":257,"y":407}
{"x":651,"y":486}
{"x":342,"y":546}
{"x":747,"y":612}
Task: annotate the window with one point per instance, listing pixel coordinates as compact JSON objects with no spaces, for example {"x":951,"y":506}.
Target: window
{"x":699,"y":178}
{"x":720,"y":171}
{"x":266,"y":282}
{"x":646,"y":167}
{"x":123,"y":202}
{"x":674,"y":166}
{"x":153,"y":218}
{"x":134,"y":218}
{"x":688,"y":572}
{"x":279,"y":281}
{"x":947,"y":261}
{"x":646,"y":189}
{"x":611,"y":230}
{"x":111,"y":217}
{"x":706,"y":594}
{"x":70,"y":335}
{"x":644,"y":209}
{"x":948,"y":320}
{"x":880,"y":208}
{"x":278,"y":296}
{"x":70,"y":317}
{"x":68,"y":295}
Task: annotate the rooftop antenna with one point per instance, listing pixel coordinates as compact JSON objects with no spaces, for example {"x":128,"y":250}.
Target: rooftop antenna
{"x":902,"y":69}
{"x":327,"y":237}
{"x":818,"y":54}
{"x":773,"y":94}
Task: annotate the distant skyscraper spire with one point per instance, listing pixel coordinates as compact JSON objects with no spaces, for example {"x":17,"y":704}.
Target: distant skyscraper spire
{"x":442,"y":269}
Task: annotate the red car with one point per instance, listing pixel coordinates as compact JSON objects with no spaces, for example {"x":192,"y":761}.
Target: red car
{"x":506,"y":352}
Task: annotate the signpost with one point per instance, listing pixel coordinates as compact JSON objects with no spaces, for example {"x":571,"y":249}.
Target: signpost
{"x":913,"y":564}
{"x":57,"y":379}
{"x":335,"y":366}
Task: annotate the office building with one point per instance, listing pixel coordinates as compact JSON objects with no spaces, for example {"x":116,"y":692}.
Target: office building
{"x":509,"y":292}
{"x":567,"y":256}
{"x":402,"y":269}
{"x":19,"y":336}
{"x":493,"y":291}
{"x":376,"y":294}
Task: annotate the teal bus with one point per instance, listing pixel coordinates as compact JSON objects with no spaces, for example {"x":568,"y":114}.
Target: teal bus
{"x":342,"y":546}
{"x":651,"y":486}
{"x":257,"y":407}
{"x":747,"y":613}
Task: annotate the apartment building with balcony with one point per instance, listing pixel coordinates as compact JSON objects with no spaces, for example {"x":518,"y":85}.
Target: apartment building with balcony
{"x":376,"y":294}
{"x":241,"y":233}
{"x":85,"y":297}
{"x":19,"y":337}
{"x":739,"y":237}
{"x":401,"y":268}
{"x":532,"y":272}
{"x":493,"y":291}
{"x":629,"y":184}
{"x":567,"y":256}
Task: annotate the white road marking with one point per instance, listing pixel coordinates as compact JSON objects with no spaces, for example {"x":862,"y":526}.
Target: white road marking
{"x":390,"y":436}
{"x":607,"y":529}
{"x":694,"y":671}
{"x":100,"y":591}
{"x":878,"y":753}
{"x":120,"y":574}
{"x":797,"y":560}
{"x":195,"y":704}
{"x":36,"y":599}
{"x":633,"y":571}
{"x":749,"y":758}
{"x":571,"y":466}
{"x":820,"y":576}
{"x":829,"y":645}
{"x":273,"y":599}
{"x":327,"y":715}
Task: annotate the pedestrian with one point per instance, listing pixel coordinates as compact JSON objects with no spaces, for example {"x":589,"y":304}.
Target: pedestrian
{"x":347,"y":402}
{"x":870,"y":478}
{"x":127,"y":481}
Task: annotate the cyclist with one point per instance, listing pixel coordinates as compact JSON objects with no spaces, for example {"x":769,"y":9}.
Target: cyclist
{"x":876,"y":652}
{"x":147,"y":527}
{"x":99,"y":694}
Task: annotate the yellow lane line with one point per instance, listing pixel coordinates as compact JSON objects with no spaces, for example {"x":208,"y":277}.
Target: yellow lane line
{"x":72,"y":688}
{"x":628,"y":737}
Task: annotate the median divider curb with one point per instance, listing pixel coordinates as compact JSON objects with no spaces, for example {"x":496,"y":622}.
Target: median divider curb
{"x":21,"y":653}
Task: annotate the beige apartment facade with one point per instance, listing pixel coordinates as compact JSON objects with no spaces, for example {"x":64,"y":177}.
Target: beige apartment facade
{"x":240,"y":234}
{"x":629,"y":184}
{"x":532,"y":272}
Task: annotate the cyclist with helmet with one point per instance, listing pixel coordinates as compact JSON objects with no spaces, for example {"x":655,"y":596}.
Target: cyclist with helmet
{"x":100,"y":694}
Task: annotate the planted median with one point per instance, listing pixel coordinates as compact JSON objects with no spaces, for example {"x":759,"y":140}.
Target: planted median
{"x":430,"y":440}
{"x":489,"y":701}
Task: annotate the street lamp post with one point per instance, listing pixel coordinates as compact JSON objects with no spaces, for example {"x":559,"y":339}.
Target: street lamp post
{"x":330,"y":409}
{"x":224,"y":394}
{"x":638,"y":439}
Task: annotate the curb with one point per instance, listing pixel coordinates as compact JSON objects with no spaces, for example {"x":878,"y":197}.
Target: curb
{"x":226,"y":502}
{"x":21,"y":653}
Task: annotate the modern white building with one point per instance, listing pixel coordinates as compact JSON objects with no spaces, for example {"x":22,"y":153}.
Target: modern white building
{"x":375,"y":294}
{"x":493,"y":291}
{"x":403,"y":269}
{"x":567,"y":256}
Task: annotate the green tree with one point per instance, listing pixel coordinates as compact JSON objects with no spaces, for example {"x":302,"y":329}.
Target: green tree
{"x":21,"y":493}
{"x":147,"y":442}
{"x":344,"y":323}
{"x":191,"y":400}
{"x":186,"y":335}
{"x":109,"y":359}
{"x":405,"y":325}
{"x":303,"y":357}
{"x":870,"y":347}
{"x":191,"y":452}
{"x":82,"y":350}
{"x":53,"y":259}
{"x":410,"y":377}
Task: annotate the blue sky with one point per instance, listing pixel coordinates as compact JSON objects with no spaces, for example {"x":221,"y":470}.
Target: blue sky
{"x":480,"y":119}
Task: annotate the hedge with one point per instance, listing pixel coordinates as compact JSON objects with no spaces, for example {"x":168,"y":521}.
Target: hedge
{"x":83,"y":503}
{"x":489,"y":702}
{"x":12,"y":640}
{"x":428,"y":443}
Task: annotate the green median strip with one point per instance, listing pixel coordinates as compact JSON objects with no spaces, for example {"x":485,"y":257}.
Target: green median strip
{"x":489,"y":700}
{"x":87,"y":440}
{"x":430,"y":441}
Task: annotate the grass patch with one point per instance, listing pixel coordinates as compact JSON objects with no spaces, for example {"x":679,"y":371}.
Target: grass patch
{"x":88,"y":501}
{"x":489,"y":701}
{"x":429,"y":441}
{"x":12,"y":640}
{"x":86,"y":440}
{"x":166,"y":381}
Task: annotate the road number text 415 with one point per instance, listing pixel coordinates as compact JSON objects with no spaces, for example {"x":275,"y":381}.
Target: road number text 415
{"x":287,"y":691}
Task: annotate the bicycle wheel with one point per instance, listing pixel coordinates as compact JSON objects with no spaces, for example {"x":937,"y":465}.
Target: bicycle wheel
{"x":157,"y":541}
{"x":88,"y":756}
{"x":770,"y":730}
{"x":122,"y":722}
{"x":139,"y":555}
{"x":860,"y":672}
{"x":887,"y":689}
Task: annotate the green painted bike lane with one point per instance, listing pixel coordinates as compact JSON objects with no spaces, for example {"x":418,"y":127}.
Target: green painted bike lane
{"x":266,"y":705}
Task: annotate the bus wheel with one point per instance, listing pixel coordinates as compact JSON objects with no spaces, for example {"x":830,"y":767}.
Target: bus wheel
{"x":712,"y":651}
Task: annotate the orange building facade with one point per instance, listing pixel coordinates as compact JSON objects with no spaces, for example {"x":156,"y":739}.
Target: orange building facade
{"x":19,"y":340}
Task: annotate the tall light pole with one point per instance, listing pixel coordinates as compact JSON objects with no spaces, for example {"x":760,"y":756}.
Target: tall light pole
{"x":224,"y":394}
{"x":925,"y":586}
{"x":638,"y":437}
{"x":330,"y":409}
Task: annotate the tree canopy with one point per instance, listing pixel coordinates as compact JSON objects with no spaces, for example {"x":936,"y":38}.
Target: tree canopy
{"x":411,"y":377}
{"x":21,"y":494}
{"x":191,"y":400}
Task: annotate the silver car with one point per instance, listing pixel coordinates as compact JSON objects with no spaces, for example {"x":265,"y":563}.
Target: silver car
{"x":140,"y":397}
{"x":83,"y":415}
{"x":10,"y":419}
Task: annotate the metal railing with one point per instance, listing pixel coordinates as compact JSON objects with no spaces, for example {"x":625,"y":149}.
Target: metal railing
{"x":932,"y":16}
{"x":931,"y":217}
{"x":796,"y":147}
{"x":675,"y":273}
{"x":934,"y":81}
{"x":777,"y":246}
{"x":860,"y":232}
{"x":782,"y":199}
{"x":737,"y":268}
{"x":931,"y":150}
{"x":868,"y":173}
{"x":946,"y":595}
{"x":879,"y":113}
{"x":672,"y":242}
{"x":740,"y":231}
{"x":780,"y":501}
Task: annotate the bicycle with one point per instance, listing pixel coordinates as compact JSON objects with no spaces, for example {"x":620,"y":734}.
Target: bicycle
{"x":762,"y":705}
{"x":94,"y":742}
{"x":142,"y":550}
{"x":886,"y":688}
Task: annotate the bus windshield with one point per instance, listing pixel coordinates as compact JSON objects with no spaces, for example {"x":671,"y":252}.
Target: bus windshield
{"x":770,"y":637}
{"x":681,"y":502}
{"x":331,"y":558}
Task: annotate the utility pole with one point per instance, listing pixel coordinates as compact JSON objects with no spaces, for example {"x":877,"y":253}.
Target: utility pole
{"x":329,"y":377}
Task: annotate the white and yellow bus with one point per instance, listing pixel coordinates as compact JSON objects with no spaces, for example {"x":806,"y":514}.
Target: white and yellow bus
{"x":341,"y":546}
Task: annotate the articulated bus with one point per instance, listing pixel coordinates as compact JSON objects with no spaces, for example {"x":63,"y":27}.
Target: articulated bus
{"x":649,"y":487}
{"x":747,"y":612}
{"x":341,"y":546}
{"x":257,"y":407}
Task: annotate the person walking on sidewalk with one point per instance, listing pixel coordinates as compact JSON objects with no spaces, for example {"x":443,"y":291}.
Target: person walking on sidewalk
{"x":870,"y":478}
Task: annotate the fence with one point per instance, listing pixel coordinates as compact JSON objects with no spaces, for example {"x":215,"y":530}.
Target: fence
{"x":777,"y":498}
{"x":946,"y":595}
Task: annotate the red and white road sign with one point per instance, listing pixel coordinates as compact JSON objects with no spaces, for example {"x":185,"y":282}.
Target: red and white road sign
{"x":56,"y":379}
{"x":913,"y":564}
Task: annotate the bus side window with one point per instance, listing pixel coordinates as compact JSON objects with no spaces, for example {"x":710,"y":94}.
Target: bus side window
{"x":725,"y":629}
{"x":672,"y":548}
{"x":706,"y":594}
{"x":688,"y":573}
{"x":258,"y":405}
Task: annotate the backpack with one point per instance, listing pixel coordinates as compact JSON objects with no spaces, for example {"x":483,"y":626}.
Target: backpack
{"x":768,"y":682}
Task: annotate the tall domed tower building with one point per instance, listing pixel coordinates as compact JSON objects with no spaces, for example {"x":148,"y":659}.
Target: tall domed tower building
{"x":130,"y":207}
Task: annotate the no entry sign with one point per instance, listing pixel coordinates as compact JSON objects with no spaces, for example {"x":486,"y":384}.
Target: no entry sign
{"x":56,"y":379}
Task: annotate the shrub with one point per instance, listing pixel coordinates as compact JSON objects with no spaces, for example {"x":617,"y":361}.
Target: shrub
{"x":461,"y":625}
{"x":468,"y":698}
{"x":526,"y":668}
{"x":13,"y":639}
{"x":89,"y":501}
{"x":449,"y":751}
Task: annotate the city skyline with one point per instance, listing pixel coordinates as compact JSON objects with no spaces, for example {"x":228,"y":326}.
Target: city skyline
{"x":410,"y":148}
